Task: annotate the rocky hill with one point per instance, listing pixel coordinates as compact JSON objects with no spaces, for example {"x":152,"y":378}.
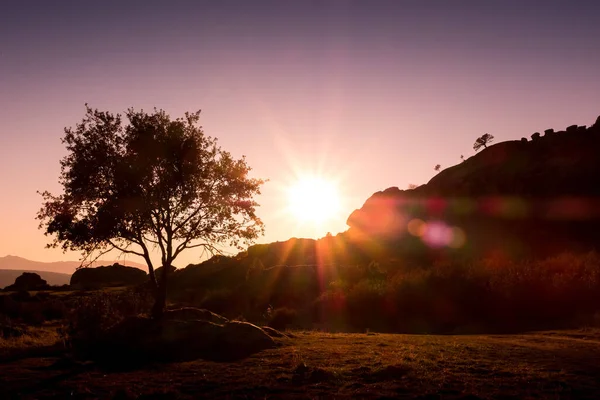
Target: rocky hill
{"x":515,"y":199}
{"x":519,"y":198}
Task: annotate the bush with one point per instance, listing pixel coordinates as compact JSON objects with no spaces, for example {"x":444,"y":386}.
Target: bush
{"x":32,"y":310}
{"x":493,"y":294}
{"x":93,"y":315}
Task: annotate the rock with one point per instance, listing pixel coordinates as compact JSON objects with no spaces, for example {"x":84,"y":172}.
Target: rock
{"x":547,"y":132}
{"x":108,"y":276}
{"x":241,"y":339}
{"x":273,"y":332}
{"x":191,"y":313}
{"x":28,"y":281}
{"x":572,"y":129}
{"x":139,"y":340}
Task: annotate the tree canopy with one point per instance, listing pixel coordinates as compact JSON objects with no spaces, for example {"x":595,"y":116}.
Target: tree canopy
{"x":483,"y":141}
{"x":151,"y":184}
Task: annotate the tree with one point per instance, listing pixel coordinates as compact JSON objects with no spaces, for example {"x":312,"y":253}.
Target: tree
{"x":437,"y":167}
{"x":151,"y":184}
{"x":483,"y":141}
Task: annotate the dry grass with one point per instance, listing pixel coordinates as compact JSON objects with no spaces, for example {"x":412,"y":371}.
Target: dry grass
{"x":37,"y":340}
{"x":542,"y":365}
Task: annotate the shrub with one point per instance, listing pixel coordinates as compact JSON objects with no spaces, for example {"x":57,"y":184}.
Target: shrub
{"x":93,"y":315}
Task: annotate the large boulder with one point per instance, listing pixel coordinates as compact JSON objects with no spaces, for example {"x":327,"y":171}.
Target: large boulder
{"x":109,"y":276}
{"x":138,"y":340}
{"x":191,"y":313}
{"x":28,"y":281}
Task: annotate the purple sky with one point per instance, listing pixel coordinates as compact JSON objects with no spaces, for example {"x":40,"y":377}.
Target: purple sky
{"x":371,"y":94}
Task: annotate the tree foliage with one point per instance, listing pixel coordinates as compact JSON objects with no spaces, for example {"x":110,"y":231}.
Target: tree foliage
{"x":151,"y":184}
{"x":483,"y":141}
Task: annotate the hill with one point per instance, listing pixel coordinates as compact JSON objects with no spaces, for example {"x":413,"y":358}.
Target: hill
{"x":64,"y":267}
{"x":523,"y":199}
{"x":519,"y":198}
{"x":511,"y":226}
{"x":8,"y":276}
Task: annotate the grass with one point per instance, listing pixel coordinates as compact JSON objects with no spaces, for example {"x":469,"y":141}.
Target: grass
{"x":46,"y":339}
{"x":540,"y":365}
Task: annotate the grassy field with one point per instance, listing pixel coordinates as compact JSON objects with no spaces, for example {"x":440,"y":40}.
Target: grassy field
{"x":540,"y":365}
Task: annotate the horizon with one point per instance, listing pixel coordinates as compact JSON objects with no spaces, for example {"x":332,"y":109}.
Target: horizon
{"x":362,"y":97}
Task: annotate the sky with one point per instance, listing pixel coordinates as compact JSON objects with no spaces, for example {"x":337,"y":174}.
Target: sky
{"x":364,"y":94}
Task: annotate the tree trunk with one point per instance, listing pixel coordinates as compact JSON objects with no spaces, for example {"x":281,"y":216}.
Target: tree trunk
{"x":160,"y":295}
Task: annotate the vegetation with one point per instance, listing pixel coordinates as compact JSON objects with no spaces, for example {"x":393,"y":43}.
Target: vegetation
{"x":154,"y":182}
{"x":483,"y":141}
{"x":545,"y":365}
{"x":354,"y":287}
{"x":401,"y":296}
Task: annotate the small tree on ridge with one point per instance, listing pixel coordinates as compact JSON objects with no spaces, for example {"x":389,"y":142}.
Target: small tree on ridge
{"x":483,"y":141}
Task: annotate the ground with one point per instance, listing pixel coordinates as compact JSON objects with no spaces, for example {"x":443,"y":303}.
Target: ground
{"x":540,"y":365}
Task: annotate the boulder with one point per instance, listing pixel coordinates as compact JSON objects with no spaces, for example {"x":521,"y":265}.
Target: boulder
{"x":241,"y":339}
{"x":108,"y":276}
{"x":273,"y":332}
{"x":191,"y":313}
{"x":572,"y":129}
{"x":139,"y":340}
{"x":28,"y":281}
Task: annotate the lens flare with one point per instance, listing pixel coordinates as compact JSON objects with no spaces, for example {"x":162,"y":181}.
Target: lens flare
{"x":437,"y":234}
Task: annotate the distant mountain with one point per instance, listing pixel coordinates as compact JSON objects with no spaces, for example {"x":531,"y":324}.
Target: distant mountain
{"x":64,"y":267}
{"x":8,"y":276}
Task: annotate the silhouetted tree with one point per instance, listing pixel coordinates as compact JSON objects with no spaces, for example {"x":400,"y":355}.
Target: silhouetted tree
{"x":437,"y":167}
{"x":154,"y":183}
{"x":483,"y":141}
{"x":412,"y":186}
{"x":462,"y":157}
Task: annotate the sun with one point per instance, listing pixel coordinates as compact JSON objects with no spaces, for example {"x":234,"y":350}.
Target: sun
{"x":313,"y":200}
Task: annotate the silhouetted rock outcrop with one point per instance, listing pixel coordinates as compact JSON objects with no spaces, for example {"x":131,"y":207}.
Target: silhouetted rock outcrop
{"x":517,"y":197}
{"x":109,"y":276}
{"x":28,"y":281}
